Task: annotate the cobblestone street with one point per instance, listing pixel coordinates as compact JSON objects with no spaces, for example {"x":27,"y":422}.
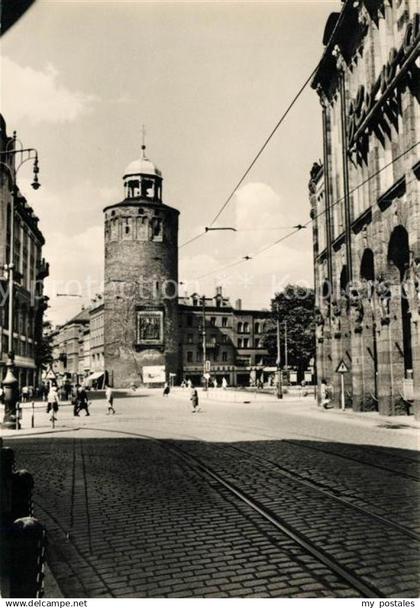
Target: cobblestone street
{"x":285,"y":501}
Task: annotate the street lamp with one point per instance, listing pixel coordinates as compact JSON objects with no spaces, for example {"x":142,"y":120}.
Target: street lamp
{"x":278,"y":360}
{"x":8,"y":159}
{"x":205,"y":383}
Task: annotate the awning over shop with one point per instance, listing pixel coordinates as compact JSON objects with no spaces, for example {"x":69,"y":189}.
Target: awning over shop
{"x":94,"y":376}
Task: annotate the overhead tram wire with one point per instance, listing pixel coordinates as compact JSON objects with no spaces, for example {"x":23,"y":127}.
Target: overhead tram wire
{"x":246,"y":258}
{"x":299,"y":227}
{"x":256,"y":157}
{"x":268,"y":139}
{"x":191,"y":240}
{"x":302,"y":88}
{"x":365,"y":181}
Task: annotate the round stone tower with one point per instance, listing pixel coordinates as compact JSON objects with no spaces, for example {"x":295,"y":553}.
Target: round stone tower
{"x":141,"y":281}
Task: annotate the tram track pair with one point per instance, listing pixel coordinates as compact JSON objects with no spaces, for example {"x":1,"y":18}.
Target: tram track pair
{"x":263,"y":434}
{"x":296,"y":477}
{"x":364,"y":588}
{"x":351,"y":458}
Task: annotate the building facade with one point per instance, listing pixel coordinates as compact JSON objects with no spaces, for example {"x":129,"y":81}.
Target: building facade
{"x":30,"y":270}
{"x":71,"y":348}
{"x":365,"y":206}
{"x":96,"y":325}
{"x":232,"y":341}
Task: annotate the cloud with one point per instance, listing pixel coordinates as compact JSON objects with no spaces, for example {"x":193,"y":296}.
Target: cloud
{"x":258,"y":214}
{"x":38,"y":96}
{"x":76,"y":265}
{"x":74,"y":209}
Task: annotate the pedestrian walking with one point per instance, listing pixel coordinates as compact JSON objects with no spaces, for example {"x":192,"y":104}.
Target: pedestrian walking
{"x":166,"y":390}
{"x":74,"y":400}
{"x":194,"y":400}
{"x":224,"y":383}
{"x":325,"y":394}
{"x":25,"y":393}
{"x":52,"y":403}
{"x":82,"y":400}
{"x":109,"y":395}
{"x":189,"y":383}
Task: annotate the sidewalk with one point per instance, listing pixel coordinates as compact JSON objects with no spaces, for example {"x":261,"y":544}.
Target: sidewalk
{"x":249,"y":401}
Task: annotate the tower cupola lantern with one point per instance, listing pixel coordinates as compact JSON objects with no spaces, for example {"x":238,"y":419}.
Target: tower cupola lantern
{"x":143,"y":180}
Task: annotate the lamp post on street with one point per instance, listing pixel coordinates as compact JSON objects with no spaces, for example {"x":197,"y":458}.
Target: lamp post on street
{"x":278,"y":361}
{"x":205,"y":383}
{"x":8,"y":159}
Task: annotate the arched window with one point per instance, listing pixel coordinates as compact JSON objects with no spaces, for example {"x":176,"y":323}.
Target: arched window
{"x":367,"y":266}
{"x":344,"y":280}
{"x":246,"y":327}
{"x":399,"y":257}
{"x":240,"y":327}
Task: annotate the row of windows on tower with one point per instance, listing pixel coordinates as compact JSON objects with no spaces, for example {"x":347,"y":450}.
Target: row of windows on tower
{"x":143,"y":187}
{"x":139,"y":228}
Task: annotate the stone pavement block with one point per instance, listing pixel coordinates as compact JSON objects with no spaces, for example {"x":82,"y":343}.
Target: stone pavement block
{"x":312,"y":587}
{"x":182,"y":521}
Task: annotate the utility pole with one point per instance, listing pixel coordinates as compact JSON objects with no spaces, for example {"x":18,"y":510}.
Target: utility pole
{"x":205,"y":383}
{"x":286,"y":354}
{"x":278,"y":362}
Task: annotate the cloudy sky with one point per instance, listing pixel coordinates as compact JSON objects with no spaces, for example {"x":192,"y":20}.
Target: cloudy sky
{"x":209,"y":81}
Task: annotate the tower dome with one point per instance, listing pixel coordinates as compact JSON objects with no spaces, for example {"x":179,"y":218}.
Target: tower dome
{"x":142,"y":179}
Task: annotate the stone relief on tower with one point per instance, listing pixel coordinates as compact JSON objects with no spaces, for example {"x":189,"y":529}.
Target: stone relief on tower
{"x":149,"y":327}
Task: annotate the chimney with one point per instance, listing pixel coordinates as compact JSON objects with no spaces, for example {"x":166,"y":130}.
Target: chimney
{"x":238,"y":304}
{"x":219,"y":290}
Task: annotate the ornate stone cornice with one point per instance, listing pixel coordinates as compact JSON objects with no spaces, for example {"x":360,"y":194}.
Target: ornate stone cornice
{"x":339,"y":59}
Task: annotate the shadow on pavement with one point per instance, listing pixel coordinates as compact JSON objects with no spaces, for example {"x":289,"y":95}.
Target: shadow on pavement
{"x":130,"y":517}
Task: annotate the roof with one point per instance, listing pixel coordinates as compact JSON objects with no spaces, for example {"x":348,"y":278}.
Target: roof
{"x":222,"y":310}
{"x":142,"y":166}
{"x":81,"y":317}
